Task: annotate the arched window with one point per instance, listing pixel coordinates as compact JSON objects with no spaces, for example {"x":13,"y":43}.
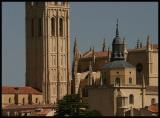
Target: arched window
{"x":53,"y":26}
{"x":10,"y":100}
{"x":40,"y":27}
{"x":153,"y":101}
{"x":61,"y":27}
{"x":32,"y":27}
{"x":36,"y":100}
{"x":130,"y":80}
{"x":131,"y":99}
{"x":117,"y":81}
{"x":23,"y":101}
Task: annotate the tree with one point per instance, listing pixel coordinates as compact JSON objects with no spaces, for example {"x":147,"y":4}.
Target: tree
{"x":72,"y":105}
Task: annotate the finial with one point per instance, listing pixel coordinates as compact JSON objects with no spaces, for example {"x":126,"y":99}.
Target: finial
{"x":148,"y":39}
{"x":104,"y":45}
{"x":124,"y":40}
{"x":90,"y":48}
{"x":138,"y":43}
{"x":117,"y":31}
{"x":93,"y":49}
{"x":108,"y":55}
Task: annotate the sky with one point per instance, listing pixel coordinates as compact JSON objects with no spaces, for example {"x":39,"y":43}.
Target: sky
{"x":90,"y":22}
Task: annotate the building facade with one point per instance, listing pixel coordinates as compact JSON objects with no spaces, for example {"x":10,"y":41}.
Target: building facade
{"x":48,"y":48}
{"x":126,"y":80}
{"x":143,"y":57}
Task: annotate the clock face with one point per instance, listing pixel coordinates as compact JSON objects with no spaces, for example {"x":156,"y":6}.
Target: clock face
{"x":139,"y":67}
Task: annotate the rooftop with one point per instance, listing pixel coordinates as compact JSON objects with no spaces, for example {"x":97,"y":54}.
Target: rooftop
{"x":19,"y":90}
{"x":117,"y":64}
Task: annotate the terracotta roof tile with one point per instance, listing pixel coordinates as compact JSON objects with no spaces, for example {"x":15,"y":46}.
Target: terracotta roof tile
{"x":19,"y":90}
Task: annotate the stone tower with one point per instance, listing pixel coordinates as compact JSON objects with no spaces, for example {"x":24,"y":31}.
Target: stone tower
{"x":48,"y":48}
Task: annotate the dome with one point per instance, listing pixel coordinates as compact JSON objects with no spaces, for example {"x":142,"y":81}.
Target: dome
{"x":117,"y":40}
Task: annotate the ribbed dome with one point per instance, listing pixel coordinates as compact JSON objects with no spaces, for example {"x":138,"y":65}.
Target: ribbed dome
{"x":117,"y":40}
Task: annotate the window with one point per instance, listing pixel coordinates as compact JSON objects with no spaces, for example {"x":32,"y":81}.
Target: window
{"x":61,"y":27}
{"x":32,"y":27}
{"x":153,"y":101}
{"x":130,"y":80}
{"x":53,"y":28}
{"x":40,"y":27}
{"x":117,"y":81}
{"x":10,"y":100}
{"x":36,"y":100}
{"x":23,"y":101}
{"x":131,"y":99}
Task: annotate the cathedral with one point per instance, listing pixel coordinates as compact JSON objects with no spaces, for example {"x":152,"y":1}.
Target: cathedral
{"x":119,"y":80}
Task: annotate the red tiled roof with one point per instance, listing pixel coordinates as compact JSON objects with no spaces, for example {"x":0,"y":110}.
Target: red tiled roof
{"x":19,"y":90}
{"x":99,"y":54}
{"x":29,"y":106}
{"x":153,"y":108}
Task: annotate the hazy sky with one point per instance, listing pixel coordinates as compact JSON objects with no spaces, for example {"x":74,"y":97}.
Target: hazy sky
{"x":91,"y":22}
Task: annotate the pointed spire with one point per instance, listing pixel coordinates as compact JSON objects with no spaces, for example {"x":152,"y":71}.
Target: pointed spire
{"x":75,"y":49}
{"x":93,"y":50}
{"x":108,"y":55}
{"x":124,"y":39}
{"x":148,"y":39}
{"x":93,"y":55}
{"x":117,"y":31}
{"x":90,"y":48}
{"x":141,"y":45}
{"x":138,"y":45}
{"x":104,"y":45}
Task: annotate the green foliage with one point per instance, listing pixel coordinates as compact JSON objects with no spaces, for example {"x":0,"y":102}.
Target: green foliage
{"x":72,"y":105}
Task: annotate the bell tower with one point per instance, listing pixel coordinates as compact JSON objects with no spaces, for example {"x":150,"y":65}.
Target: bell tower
{"x":48,"y":48}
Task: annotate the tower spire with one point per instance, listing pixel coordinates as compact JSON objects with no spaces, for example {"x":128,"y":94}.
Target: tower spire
{"x":104,"y":45}
{"x":117,"y":31}
{"x":75,"y":49}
